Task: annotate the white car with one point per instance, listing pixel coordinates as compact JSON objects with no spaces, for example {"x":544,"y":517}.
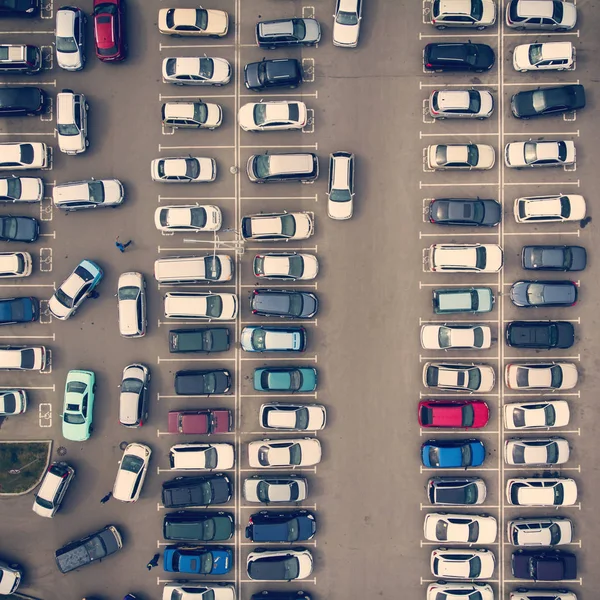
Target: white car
{"x":541,"y":376}
{"x":461,"y":104}
{"x":340,"y":187}
{"x":536,"y":451}
{"x":536,"y":415}
{"x":460,"y":563}
{"x":440,"y":590}
{"x":541,"y":491}
{"x":460,"y":528}
{"x":272,"y":116}
{"x":460,"y":156}
{"x":292,"y":417}
{"x":550,"y":209}
{"x":284,"y":488}
{"x":541,"y":531}
{"x":12,"y":402}
{"x":294,"y":563}
{"x":21,"y":189}
{"x":269,"y":227}
{"x":92,"y":193}
{"x":132,"y":472}
{"x":555,"y":153}
{"x":131,"y":302}
{"x":346,"y":23}
{"x":51,"y":492}
{"x":198,"y":591}
{"x":15,"y":264}
{"x":23,"y":358}
{"x":195,"y":115}
{"x":193,"y":21}
{"x":285,"y":266}
{"x":265,"y":454}
{"x":461,"y":258}
{"x":446,"y":337}
{"x":196,"y":71}
{"x":24,"y":155}
{"x":188,"y":217}
{"x":201,"y":305}
{"x":10,"y":578}
{"x":539,"y":594}
{"x":196,"y":456}
{"x":191,"y":169}
{"x":70,"y":38}
{"x":552,"y":15}
{"x":472,"y":14}
{"x":547,"y":56}
{"x":467,"y":377}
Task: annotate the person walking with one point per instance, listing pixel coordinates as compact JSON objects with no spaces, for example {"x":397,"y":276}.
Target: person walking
{"x":122,"y":247}
{"x":153,"y":562}
{"x":106,"y":498}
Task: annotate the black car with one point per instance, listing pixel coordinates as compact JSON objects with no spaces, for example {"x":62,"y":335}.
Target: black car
{"x":214,"y":339}
{"x":21,"y":101}
{"x":547,"y":101}
{"x":283,"y":303}
{"x":531,"y":294}
{"x":266,"y":74}
{"x":183,"y":492}
{"x":202,"y":383}
{"x":541,"y":335}
{"x":456,"y":491}
{"x":270,"y":595}
{"x":287,"y":32}
{"x":198,"y":526}
{"x":19,"y":310}
{"x":19,"y":229}
{"x":24,"y":8}
{"x":554,"y":258}
{"x":289,"y":526}
{"x":458,"y":56}
{"x":544,"y":565}
{"x":465,"y":211}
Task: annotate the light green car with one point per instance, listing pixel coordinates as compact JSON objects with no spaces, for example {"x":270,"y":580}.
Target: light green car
{"x":79,"y":405}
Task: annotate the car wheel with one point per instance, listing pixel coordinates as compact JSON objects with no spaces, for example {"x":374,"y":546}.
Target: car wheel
{"x":218,"y":84}
{"x":87,"y":106}
{"x":15,"y":566}
{"x":525,"y":70}
{"x":481,"y":28}
{"x":293,"y":87}
{"x":440,"y":27}
{"x":87,"y":143}
{"x":520,"y":28}
{"x":272,"y":47}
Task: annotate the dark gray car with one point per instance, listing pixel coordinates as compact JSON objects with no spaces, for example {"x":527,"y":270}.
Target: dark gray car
{"x":287,"y":32}
{"x":531,"y":294}
{"x":215,"y":339}
{"x":284,"y":303}
{"x":198,"y":526}
{"x":93,"y":547}
{"x":202,"y":383}
{"x":465,"y":211}
{"x":554,"y":258}
{"x":278,"y":72}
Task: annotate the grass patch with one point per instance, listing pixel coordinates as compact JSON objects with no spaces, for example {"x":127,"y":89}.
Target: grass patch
{"x":21,"y":465}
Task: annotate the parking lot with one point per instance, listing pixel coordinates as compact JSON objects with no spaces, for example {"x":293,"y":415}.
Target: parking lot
{"x":369,"y":491}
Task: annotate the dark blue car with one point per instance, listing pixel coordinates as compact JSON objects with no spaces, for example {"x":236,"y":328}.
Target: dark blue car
{"x":200,"y":560}
{"x":275,"y":526}
{"x":452,"y":454}
{"x":19,"y":310}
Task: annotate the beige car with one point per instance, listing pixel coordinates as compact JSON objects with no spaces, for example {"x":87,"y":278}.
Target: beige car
{"x":131,"y":294}
{"x":193,"y":22}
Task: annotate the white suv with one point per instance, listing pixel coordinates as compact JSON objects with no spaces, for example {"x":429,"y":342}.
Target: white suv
{"x":340,"y":190}
{"x":71,"y":122}
{"x":53,"y":489}
{"x":458,"y":258}
{"x":472,"y":14}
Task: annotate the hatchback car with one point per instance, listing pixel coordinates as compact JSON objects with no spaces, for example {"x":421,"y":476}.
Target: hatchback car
{"x":447,"y":337}
{"x":547,"y":101}
{"x":549,"y":209}
{"x":200,"y":305}
{"x":346,"y":23}
{"x":200,"y":383}
{"x":452,"y":454}
{"x":460,"y":528}
{"x":199,"y":591}
{"x":184,"y":492}
{"x":533,"y":294}
{"x":340,"y":188}
{"x":290,"y":304}
{"x":536,"y":451}
{"x":281,"y":488}
{"x":19,"y":229}
{"x":279,"y":115}
{"x":460,"y":104}
{"x":553,"y":258}
{"x":273,"y":339}
{"x":131,"y":301}
{"x":285,"y":266}
{"x":193,"y":169}
{"x":459,"y":258}
{"x":468,"y":414}
{"x":70,"y":38}
{"x":188,"y":218}
{"x":24,"y":155}
{"x":459,"y":376}
{"x":278,"y":72}
{"x":200,"y":422}
{"x":281,"y":453}
{"x":472,"y":14}
{"x":290,"y":526}
{"x":456,"y":491}
{"x":23,"y":358}
{"x":462,"y":300}
{"x":541,"y":153}
{"x":54,"y":486}
{"x":21,"y":189}
{"x":195,"y":70}
{"x":458,"y":56}
{"x":552,"y":15}
{"x":285,"y":379}
{"x":287,"y":32}
{"x":536,"y":415}
{"x":132,"y":472}
{"x":541,"y":491}
{"x":197,"y":560}
{"x":197,"y":526}
{"x":19,"y":310}
{"x":540,"y":531}
{"x":457,"y":563}
{"x":78,"y":408}
{"x":133,"y":396}
{"x":193,"y":22}
{"x":544,"y":565}
{"x":13,"y":402}
{"x":464,"y":212}
{"x":547,"y":56}
{"x":292,"y":417}
{"x":541,"y":335}
{"x":109,"y":30}
{"x":197,"y":456}
{"x":192,"y":115}
{"x":283,"y":226}
{"x":460,"y":156}
{"x":15,"y":264}
{"x":279,"y":565}
{"x":75,"y":289}
{"x":440,"y":590}
{"x":541,"y":376}
{"x":92,"y":193}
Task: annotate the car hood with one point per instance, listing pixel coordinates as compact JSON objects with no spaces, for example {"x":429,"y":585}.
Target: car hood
{"x":518,"y":293}
{"x":569,"y":19}
{"x":487,"y":156}
{"x":57,"y":309}
{"x":340,"y":210}
{"x":222,"y":70}
{"x":514,"y":154}
{"x":485,"y":57}
{"x":71,"y":61}
{"x":113,"y":191}
{"x":32,"y":188}
{"x":229,"y":306}
{"x":251,"y":73}
{"x":345,"y":35}
{"x":521,"y":57}
{"x":218,"y":22}
{"x":313,"y":31}
{"x":304,"y":226}
{"x":578,"y":258}
{"x":214,"y":115}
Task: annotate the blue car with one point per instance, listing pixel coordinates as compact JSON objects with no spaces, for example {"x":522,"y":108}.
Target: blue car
{"x":18,"y":310}
{"x":200,"y":560}
{"x":452,"y":454}
{"x":285,"y":379}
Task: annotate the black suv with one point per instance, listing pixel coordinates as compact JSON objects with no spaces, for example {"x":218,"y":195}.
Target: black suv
{"x":198,"y":526}
{"x":458,"y":57}
{"x":21,"y":101}
{"x":284,"y":303}
{"x":20,"y":8}
{"x":270,"y":595}
{"x":279,"y":72}
{"x":287,"y":32}
{"x":183,"y":492}
{"x":544,"y":565}
{"x":202,"y":383}
{"x":542,"y":335}
{"x":547,"y":101}
{"x":214,"y":339}
{"x":290,"y":526}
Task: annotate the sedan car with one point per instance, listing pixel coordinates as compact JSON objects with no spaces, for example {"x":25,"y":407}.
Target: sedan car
{"x":452,"y":454}
{"x":188,"y":217}
{"x":200,"y":383}
{"x":287,"y":32}
{"x":92,"y":193}
{"x":457,"y":563}
{"x":459,"y":377}
{"x":281,"y":488}
{"x":282,"y":453}
{"x":75,"y":289}
{"x":540,"y":531}
{"x":547,"y":101}
{"x":24,"y":155}
{"x":133,"y":396}
{"x":536,"y":415}
{"x":460,"y":528}
{"x":273,"y":116}
{"x":184,"y":492}
{"x":19,"y":229}
{"x":197,"y":456}
{"x":536,"y":451}
{"x":191,"y":169}
{"x":460,"y":258}
{"x":193,"y":22}
{"x":446,"y":337}
{"x":12,"y":402}
{"x":460,"y":156}
{"x":132,"y":472}
{"x":109,"y":30}
{"x":549,"y":209}
{"x":285,"y":379}
{"x":346,"y":23}
{"x":21,"y":189}
{"x":200,"y":305}
{"x":199,"y":560}
{"x":547,"y":56}
{"x":456,"y":491}
{"x":458,"y":56}
{"x":440,"y":590}
{"x":19,"y":310}
{"x":211,"y":339}
{"x":466,"y":212}
{"x":340,"y":186}
{"x":460,"y":104}
{"x":540,"y":335}
{"x":285,"y":266}
{"x":553,"y":258}
{"x":291,"y":304}
{"x":78,"y":408}
{"x":200,"y":422}
{"x":544,"y":565}
{"x":292,"y":417}
{"x":533,"y":294}
{"x":279,"y":565}
{"x":10,"y":577}
{"x":196,"y":70}
{"x":468,"y":414}
{"x":541,"y":376}
{"x":188,"y":590}
{"x":70,"y":38}
{"x":273,"y":339}
{"x":278,"y":226}
{"x":472,"y":14}
{"x":553,"y":15}
{"x":541,"y":491}
{"x":15,"y":264}
{"x":541,"y":153}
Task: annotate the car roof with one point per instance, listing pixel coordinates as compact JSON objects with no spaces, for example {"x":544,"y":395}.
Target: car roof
{"x":455,"y":7}
{"x":453,"y":99}
{"x":535,"y":8}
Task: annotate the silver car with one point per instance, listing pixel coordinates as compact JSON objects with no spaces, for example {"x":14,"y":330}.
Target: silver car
{"x":70,"y":38}
{"x":461,"y":104}
{"x":196,"y":71}
{"x":553,"y":15}
{"x":471,"y":14}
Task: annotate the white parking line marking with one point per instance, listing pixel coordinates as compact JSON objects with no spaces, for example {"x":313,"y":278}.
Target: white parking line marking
{"x":37,"y":83}
{"x":47,"y":370}
{"x":543,"y":358}
{"x":458,"y":85}
{"x":571,"y":116}
{"x":46,"y":209}
{"x":469,"y":135}
{"x":440,"y":284}
{"x":538,"y":183}
{"x":45,"y":259}
{"x":162,"y":97}
{"x":445,"y":320}
{"x":462,"y":469}
{"x":427,"y":118}
{"x":455,"y":234}
{"x":542,"y":393}
{"x":196,"y":322}
{"x":295,"y":469}
{"x":45,"y":314}
{"x":45,"y":414}
{"x":267,"y":146}
{"x":308,"y":12}
{"x":539,"y":33}
{"x":436,"y":431}
{"x":273,"y":320}
{"x":49,"y":114}
{"x":308,"y":70}
{"x":27,"y":285}
{"x":425,"y":36}
{"x":282,"y":247}
{"x":288,"y":95}
{"x":561,"y":134}
{"x":288,"y":359}
{"x":47,"y":58}
{"x":47,"y":11}
{"x":276,"y":395}
{"x":167,"y":130}
{"x":545,"y":467}
{"x":438,"y":394}
{"x":315,"y":197}
{"x":183,"y":396}
{"x":260,"y":284}
{"x":538,"y":83}
{"x":162,"y":47}
{"x":456,"y":184}
{"x":190,"y":359}
{"x":528,"y":233}
{"x":212,"y":147}
{"x":446,"y":356}
{"x":32,"y":387}
{"x":28,"y":32}
{"x":28,"y":337}
{"x":22,"y":133}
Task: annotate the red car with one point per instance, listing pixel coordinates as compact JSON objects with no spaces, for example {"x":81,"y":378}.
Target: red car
{"x":109,"y":30}
{"x":470,"y":414}
{"x":200,"y":421}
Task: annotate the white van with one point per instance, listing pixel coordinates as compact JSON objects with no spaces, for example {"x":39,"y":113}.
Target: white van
{"x":193,"y":269}
{"x":15,"y":264}
{"x":71,"y":122}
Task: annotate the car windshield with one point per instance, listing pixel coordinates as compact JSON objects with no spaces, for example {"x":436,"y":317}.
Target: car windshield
{"x":207,"y":562}
{"x":73,"y":418}
{"x":535,"y":293}
{"x":9,"y":227}
{"x":554,"y":534}
{"x":467,"y":454}
{"x":261,"y":166}
{"x":538,"y":99}
{"x":295,"y":454}
{"x":292,"y":569}
{"x":288,"y":225}
{"x":565,"y":207}
{"x":295,"y":304}
{"x":556,"y":376}
{"x":340,"y":195}
{"x":522,"y":377}
{"x":552,"y":453}
{"x":480,"y":257}
{"x":474,"y":379}
{"x":200,"y":112}
{"x":13,"y":187}
{"x":131,"y":463}
{"x":96,"y":192}
{"x":106,"y":8}
{"x":473,"y":531}
{"x":262,"y":72}
{"x":258,"y":339}
{"x":444,"y":337}
{"x":434,"y":456}
{"x":293,"y":530}
{"x":550,"y":415}
{"x":63,"y":298}
{"x":207,"y":493}
{"x":470,"y":492}
{"x":302,"y":418}
{"x":477,"y":9}
{"x":192,"y":168}
{"x":295,"y":380}
{"x":129,"y":292}
{"x":208,"y":530}
{"x":262,"y":491}
{"x":212,"y":267}
{"x":557,"y":11}
{"x":210,"y":383}
{"x":76,"y":387}
{"x":131,"y":385}
{"x":214,"y":306}
{"x":474,"y":101}
{"x":518,"y":454}
{"x":198,"y":217}
{"x":347,"y":18}
{"x":562,"y":150}
{"x":26,"y":153}
{"x":559,"y":494}
{"x":530,"y":152}
{"x":260,"y":113}
{"x":441,"y":530}
{"x":296,"y":266}
{"x":468,"y":415}
{"x":441,"y":154}
{"x":210,"y":458}
{"x":66,"y":44}
{"x":535,"y":54}
{"x":207,"y":67}
{"x":201,"y":23}
{"x":474,"y":567}
{"x":471,"y":54}
{"x":299,"y":29}
{"x":472,"y":155}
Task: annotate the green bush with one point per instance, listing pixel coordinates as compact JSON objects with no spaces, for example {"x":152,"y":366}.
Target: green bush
{"x":22,"y":464}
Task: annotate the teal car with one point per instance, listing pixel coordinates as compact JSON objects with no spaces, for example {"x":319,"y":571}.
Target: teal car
{"x":285,"y":379}
{"x":79,"y":405}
